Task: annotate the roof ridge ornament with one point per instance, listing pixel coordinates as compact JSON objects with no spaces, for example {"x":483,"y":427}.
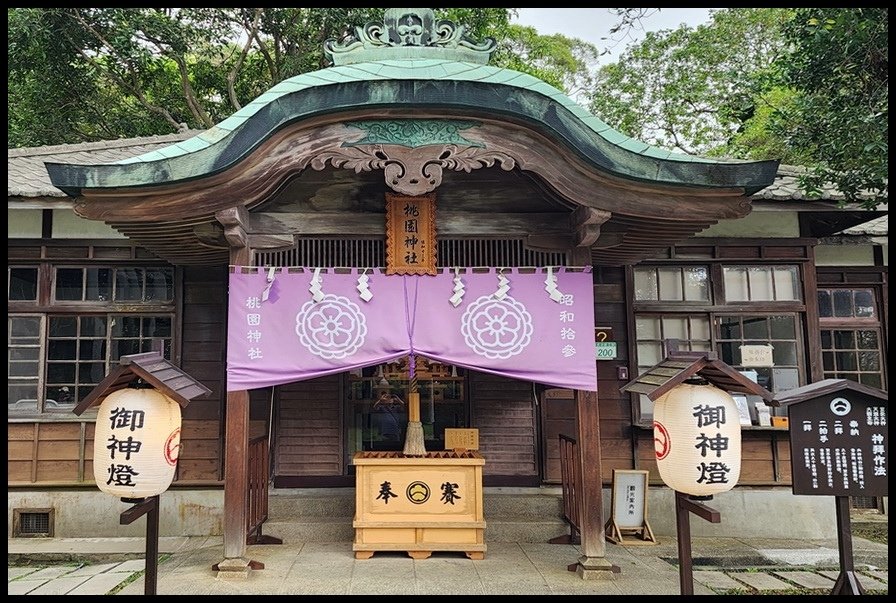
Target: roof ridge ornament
{"x":405,"y":34}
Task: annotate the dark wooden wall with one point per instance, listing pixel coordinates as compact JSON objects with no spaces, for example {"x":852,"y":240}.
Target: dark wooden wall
{"x":309,"y":431}
{"x":558,"y":417}
{"x":203,"y":349}
{"x":503,"y":410}
{"x":614,"y":406}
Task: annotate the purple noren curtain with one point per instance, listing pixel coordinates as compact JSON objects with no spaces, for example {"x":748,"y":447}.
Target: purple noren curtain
{"x":288,"y":325}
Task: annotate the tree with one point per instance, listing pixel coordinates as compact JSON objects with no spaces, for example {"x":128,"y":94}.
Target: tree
{"x":804,"y":86}
{"x":697,"y":89}
{"x":94,"y":73}
{"x":565,"y":63}
{"x":136,"y":71}
{"x":838,"y":63}
{"x":77,"y":74}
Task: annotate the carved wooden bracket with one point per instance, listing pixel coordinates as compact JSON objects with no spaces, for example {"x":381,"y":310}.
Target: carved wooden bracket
{"x":585,"y":223}
{"x":412,"y":171}
{"x":235,"y":219}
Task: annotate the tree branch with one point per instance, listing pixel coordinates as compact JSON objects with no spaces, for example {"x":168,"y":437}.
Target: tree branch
{"x":231,"y":76}
{"x":193,"y":103}
{"x":136,"y":90}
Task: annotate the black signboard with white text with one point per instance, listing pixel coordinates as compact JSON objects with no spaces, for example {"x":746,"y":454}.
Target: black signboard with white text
{"x":839,"y":443}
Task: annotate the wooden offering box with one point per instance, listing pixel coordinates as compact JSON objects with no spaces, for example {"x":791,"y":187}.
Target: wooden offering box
{"x":419,"y":504}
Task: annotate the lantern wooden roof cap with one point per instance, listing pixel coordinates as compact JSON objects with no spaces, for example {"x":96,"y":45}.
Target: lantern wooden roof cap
{"x":824,"y":388}
{"x":153,"y":370}
{"x":679,"y":366}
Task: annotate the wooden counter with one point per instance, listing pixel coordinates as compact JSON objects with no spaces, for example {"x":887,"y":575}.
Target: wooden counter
{"x":419,"y":504}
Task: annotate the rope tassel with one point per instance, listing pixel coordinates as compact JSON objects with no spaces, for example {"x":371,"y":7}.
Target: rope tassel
{"x":414,"y":438}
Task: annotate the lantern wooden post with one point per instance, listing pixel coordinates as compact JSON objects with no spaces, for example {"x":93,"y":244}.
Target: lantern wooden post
{"x":150,"y":508}
{"x":684,"y":506}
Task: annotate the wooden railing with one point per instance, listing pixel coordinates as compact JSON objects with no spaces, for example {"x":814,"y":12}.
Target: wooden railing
{"x":569,"y":483}
{"x":257,"y":493}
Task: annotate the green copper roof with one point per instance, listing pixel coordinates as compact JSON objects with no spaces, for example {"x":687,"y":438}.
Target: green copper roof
{"x":425,"y":84}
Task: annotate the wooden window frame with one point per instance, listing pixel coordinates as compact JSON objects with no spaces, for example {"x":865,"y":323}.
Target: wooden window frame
{"x":47,"y":307}
{"x":804,"y":313}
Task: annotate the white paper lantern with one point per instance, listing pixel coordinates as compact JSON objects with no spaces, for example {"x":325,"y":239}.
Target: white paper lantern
{"x":136,"y":444}
{"x":696,"y":434}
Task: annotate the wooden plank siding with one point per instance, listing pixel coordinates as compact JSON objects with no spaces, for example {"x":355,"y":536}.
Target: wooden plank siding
{"x":203,"y":349}
{"x":61,"y":453}
{"x":503,"y":410}
{"x":21,"y":441}
{"x":765,"y":457}
{"x":309,"y":429}
{"x":558,"y":417}
{"x":616,"y":436}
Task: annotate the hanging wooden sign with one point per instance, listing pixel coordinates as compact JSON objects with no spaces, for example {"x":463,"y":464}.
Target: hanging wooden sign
{"x":411,"y":234}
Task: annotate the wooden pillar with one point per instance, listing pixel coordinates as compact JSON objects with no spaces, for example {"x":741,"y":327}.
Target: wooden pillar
{"x":593,"y":563}
{"x":236,"y":430}
{"x":236,"y":474}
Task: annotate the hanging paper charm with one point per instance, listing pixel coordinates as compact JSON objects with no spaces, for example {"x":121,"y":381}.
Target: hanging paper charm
{"x":317,"y":293}
{"x":458,"y":295}
{"x":363,"y":287}
{"x":550,"y":285}
{"x":503,"y":286}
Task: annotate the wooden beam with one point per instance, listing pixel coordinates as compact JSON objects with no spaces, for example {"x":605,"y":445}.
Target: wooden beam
{"x":272,"y":242}
{"x":542,"y":242}
{"x":608,"y":239}
{"x":237,"y":215}
{"x":236,"y":236}
{"x":448,"y":223}
{"x":234,"y":220}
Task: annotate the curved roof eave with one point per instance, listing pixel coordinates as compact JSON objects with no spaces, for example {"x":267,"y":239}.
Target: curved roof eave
{"x":434,"y":84}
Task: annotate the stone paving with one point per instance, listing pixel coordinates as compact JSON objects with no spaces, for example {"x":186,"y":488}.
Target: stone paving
{"x":806,"y":579}
{"x":509,"y":568}
{"x":95,"y":579}
{"x":867,"y":582}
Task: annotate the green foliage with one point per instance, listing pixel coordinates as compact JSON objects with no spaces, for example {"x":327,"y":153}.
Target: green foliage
{"x":78,"y":74}
{"x":839,"y":64}
{"x":804,"y":86}
{"x":694,"y":89}
{"x":565,"y":63}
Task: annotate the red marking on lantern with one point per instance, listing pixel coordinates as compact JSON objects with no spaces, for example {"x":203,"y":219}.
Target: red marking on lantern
{"x":662,"y":444}
{"x":172,"y":447}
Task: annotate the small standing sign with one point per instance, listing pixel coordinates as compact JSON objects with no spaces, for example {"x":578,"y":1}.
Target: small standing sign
{"x":461,"y":439}
{"x":628,"y":508}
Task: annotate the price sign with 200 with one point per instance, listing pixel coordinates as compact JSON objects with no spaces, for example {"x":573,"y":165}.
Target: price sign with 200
{"x":605,"y":350}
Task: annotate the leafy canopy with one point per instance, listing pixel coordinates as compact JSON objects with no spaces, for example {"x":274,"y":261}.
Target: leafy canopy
{"x":805,"y":86}
{"x":77,"y":74}
{"x":838,"y":62}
